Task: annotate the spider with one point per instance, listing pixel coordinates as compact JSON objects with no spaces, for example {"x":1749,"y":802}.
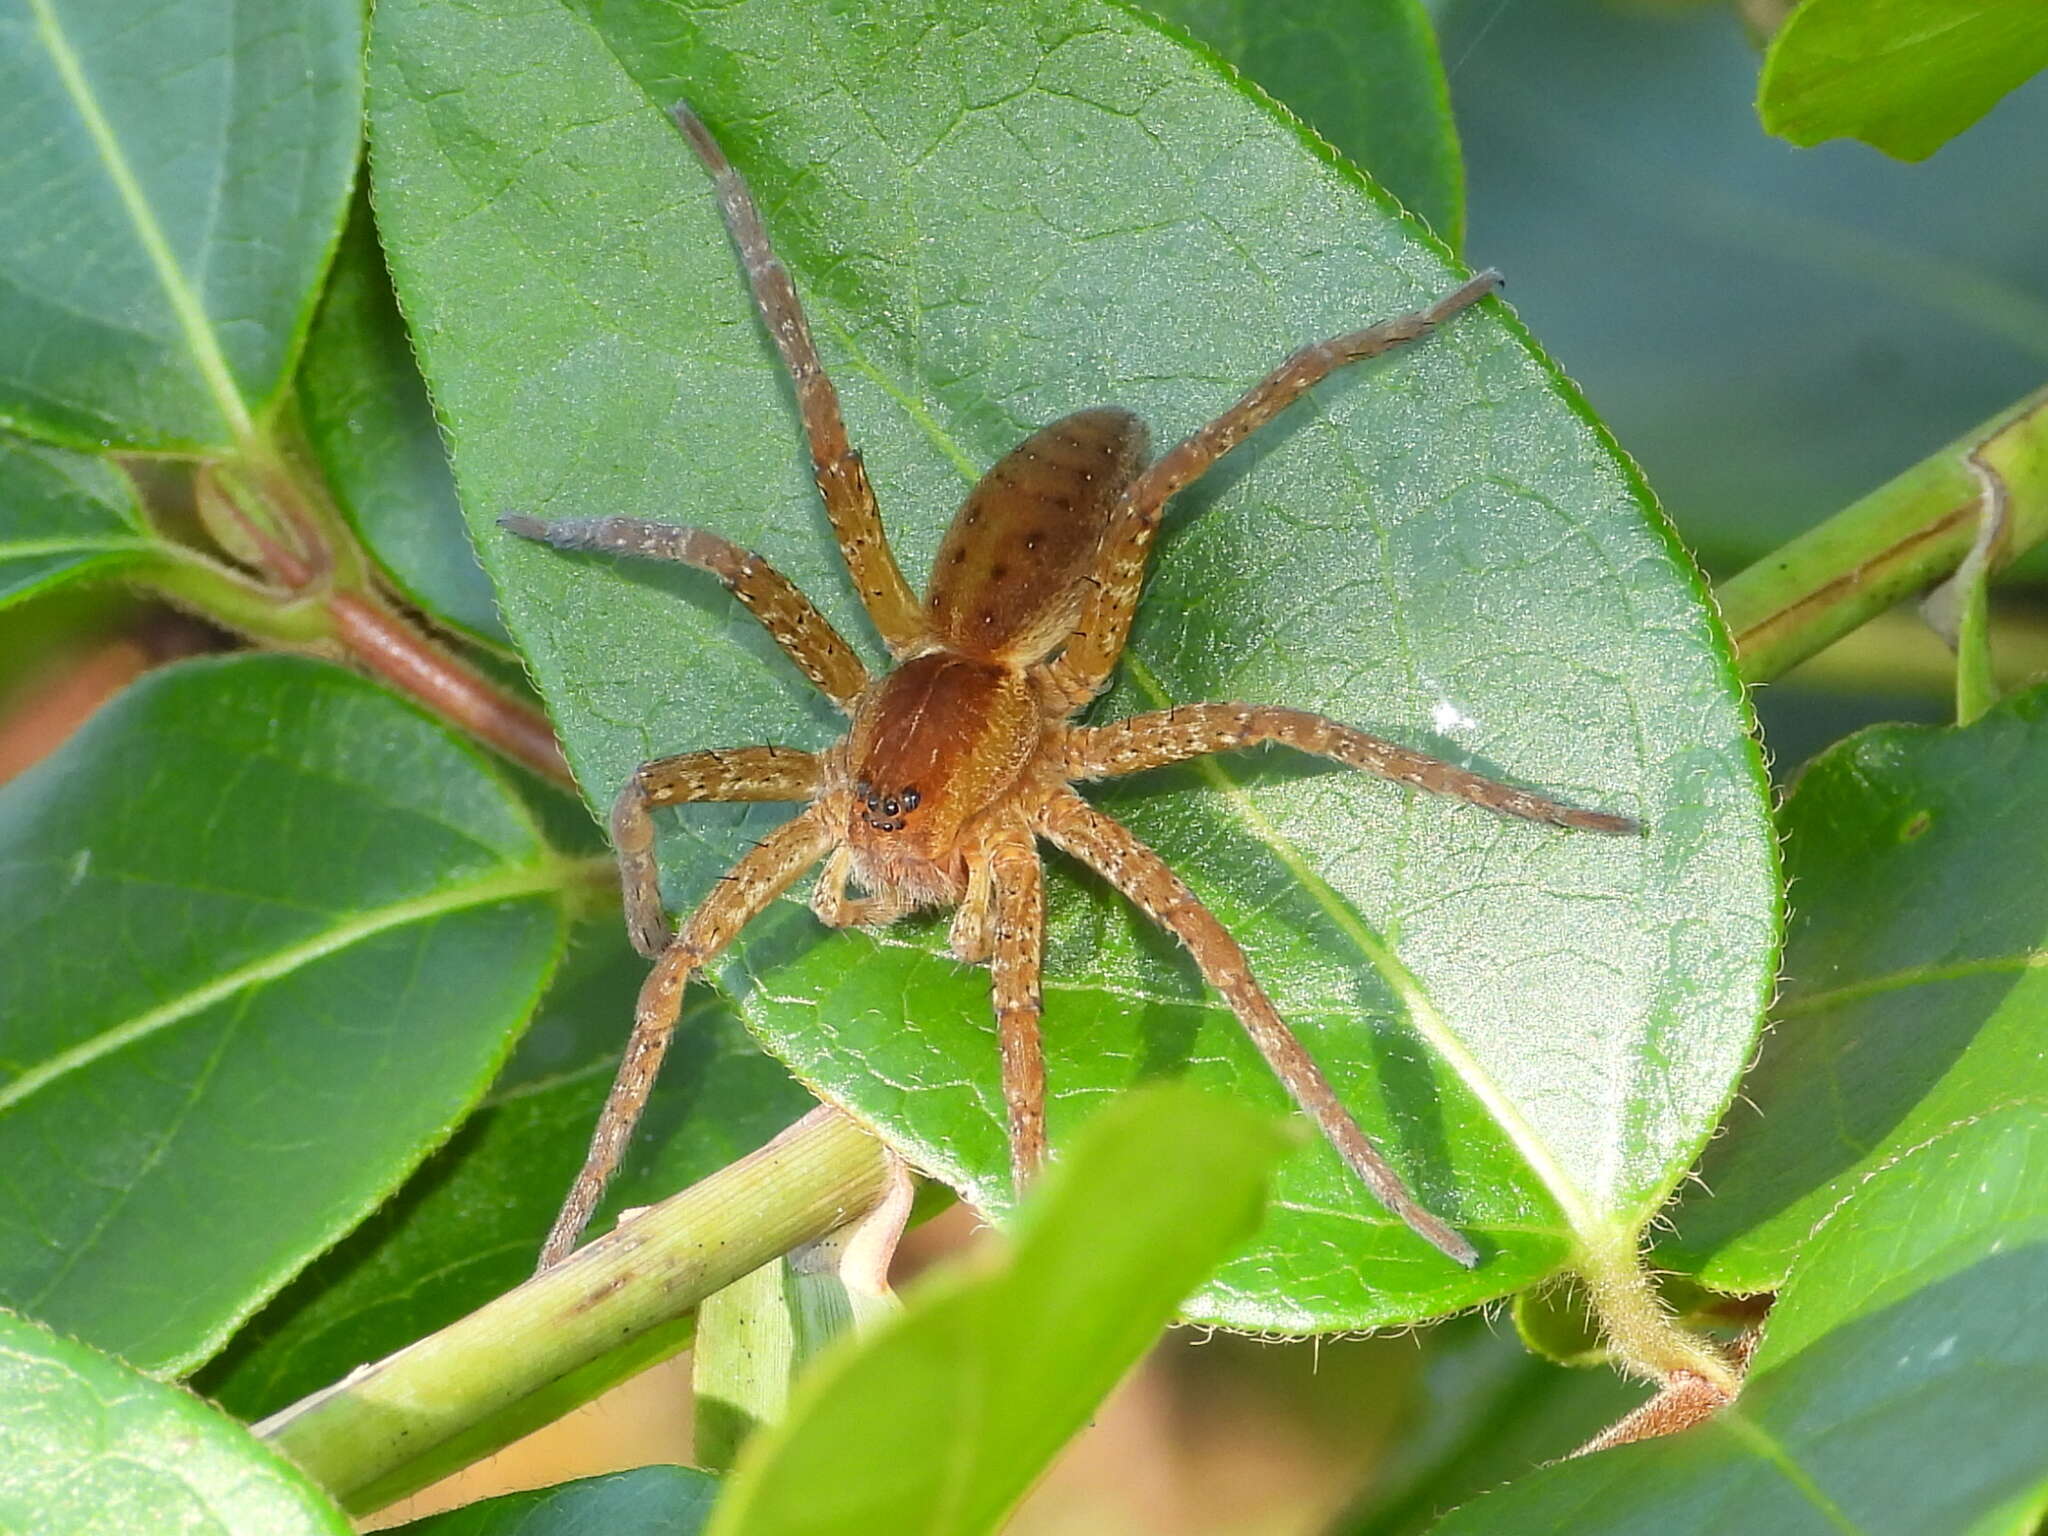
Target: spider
{"x":963,"y":755}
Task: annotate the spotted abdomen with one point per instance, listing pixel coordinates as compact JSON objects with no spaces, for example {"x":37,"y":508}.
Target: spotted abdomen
{"x":1009,"y":578}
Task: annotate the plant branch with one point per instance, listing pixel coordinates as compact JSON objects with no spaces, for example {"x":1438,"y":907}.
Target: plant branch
{"x":319,"y":592}
{"x":355,"y":1436}
{"x":1904,"y":536}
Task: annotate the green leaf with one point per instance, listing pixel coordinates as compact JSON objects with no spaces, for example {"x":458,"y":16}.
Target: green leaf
{"x":64,"y":516}
{"x":1541,"y":1028}
{"x":368,"y":419}
{"x":1772,"y":334}
{"x":1488,"y":1411}
{"x":1915,"y":992}
{"x":88,"y":1447}
{"x":940,"y":1419}
{"x":1903,"y":75}
{"x":648,"y":1501}
{"x":1365,"y":74}
{"x":469,"y":1224}
{"x":265,"y":935}
{"x":189,"y":170}
{"x":1902,"y":1386}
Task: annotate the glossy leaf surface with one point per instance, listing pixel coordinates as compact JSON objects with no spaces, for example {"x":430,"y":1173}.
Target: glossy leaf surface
{"x":1915,"y":994}
{"x":1362,"y":73}
{"x":267,"y":933}
{"x":1904,"y":75}
{"x":648,"y":1501}
{"x":369,"y":421}
{"x":1901,"y":1387}
{"x":940,"y":1418}
{"x":177,"y":177}
{"x":90,"y":1447}
{"x":1541,"y":1027}
{"x":63,"y":515}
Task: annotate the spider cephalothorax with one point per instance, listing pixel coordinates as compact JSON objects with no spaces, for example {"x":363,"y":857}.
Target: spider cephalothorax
{"x":962,"y":757}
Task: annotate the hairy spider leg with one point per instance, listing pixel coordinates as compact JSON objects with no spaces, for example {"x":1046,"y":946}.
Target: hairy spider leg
{"x":768,"y":870}
{"x":1083,"y":668}
{"x":791,"y":619}
{"x":836,"y":907}
{"x":1016,"y":959}
{"x":1193,"y":730}
{"x":842,"y":478}
{"x":728,"y":774}
{"x":1113,"y":851}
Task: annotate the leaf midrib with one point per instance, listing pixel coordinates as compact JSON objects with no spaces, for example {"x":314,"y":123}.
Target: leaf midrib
{"x":547,"y":877}
{"x":1915,"y":976}
{"x":149,"y":234}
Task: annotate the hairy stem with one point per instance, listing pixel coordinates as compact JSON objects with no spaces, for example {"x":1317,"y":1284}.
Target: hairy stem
{"x":355,"y":1436}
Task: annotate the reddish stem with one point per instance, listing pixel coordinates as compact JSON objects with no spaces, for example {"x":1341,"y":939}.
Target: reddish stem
{"x":391,"y":648}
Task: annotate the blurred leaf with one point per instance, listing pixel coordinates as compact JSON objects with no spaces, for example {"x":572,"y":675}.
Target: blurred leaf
{"x":1903,"y":75}
{"x":1490,"y":1411}
{"x":647,"y":1501}
{"x":1772,"y":332}
{"x":469,"y":1224}
{"x":265,"y":935}
{"x":941,"y":1418}
{"x":1541,"y":1027}
{"x":88,"y":1447}
{"x":179,"y":176}
{"x":1915,"y":992}
{"x":1362,"y":73}
{"x":368,"y":418}
{"x":1901,"y":1388}
{"x":63,"y":515}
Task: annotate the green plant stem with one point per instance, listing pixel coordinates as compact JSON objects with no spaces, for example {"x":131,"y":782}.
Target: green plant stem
{"x":1904,"y":536}
{"x":353,"y":1437}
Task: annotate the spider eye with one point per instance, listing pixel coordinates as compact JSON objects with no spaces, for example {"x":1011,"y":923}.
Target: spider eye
{"x":908,"y":798}
{"x":891,"y":806}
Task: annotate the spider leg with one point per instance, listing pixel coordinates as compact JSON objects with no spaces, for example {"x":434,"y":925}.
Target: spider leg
{"x":835,"y":907}
{"x":1105,"y":621}
{"x":792,"y":621}
{"x":1018,"y":951}
{"x":972,"y":935}
{"x":766,"y":871}
{"x":1191,"y":730}
{"x":733,"y":773}
{"x":1109,"y":848}
{"x":842,"y":478}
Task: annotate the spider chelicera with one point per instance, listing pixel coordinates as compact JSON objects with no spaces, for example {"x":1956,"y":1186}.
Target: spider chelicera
{"x":962,"y":756}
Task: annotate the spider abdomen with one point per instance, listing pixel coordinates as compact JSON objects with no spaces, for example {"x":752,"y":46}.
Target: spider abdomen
{"x":1010,"y":575}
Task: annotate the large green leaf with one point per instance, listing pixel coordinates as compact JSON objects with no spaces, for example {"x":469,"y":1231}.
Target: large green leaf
{"x":90,"y":1448}
{"x":1363,"y":73}
{"x":648,"y":1501}
{"x":1901,"y":1389}
{"x":265,"y":935}
{"x":63,"y":515}
{"x":367,"y":417}
{"x":177,"y":178}
{"x":1904,"y":75}
{"x":1915,"y":994}
{"x":470,"y":1223}
{"x":938,"y":1420}
{"x":998,"y":215}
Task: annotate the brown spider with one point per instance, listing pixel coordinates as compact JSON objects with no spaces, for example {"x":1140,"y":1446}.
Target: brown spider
{"x":962,"y":756}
